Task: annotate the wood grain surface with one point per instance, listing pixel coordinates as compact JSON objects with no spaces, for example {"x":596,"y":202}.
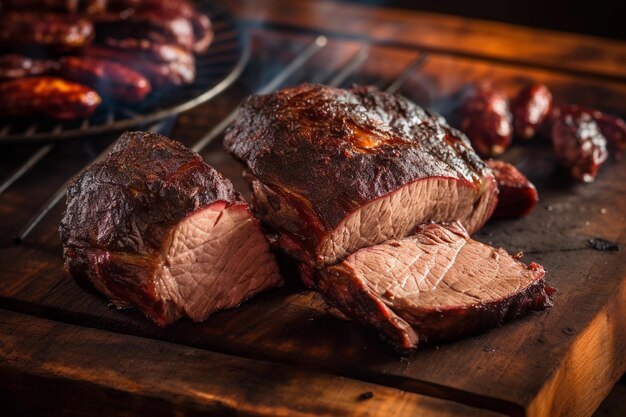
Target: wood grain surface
{"x":57,"y":369}
{"x":560,"y":362}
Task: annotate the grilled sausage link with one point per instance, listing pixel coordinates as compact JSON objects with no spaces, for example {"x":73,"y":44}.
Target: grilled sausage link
{"x":50,"y":96}
{"x":110,"y":79}
{"x":68,"y":6}
{"x":531,"y":108}
{"x":18,"y":66}
{"x":52,"y":31}
{"x":578,"y":143}
{"x":486,"y":119}
{"x":612,"y":128}
{"x":160,"y":74}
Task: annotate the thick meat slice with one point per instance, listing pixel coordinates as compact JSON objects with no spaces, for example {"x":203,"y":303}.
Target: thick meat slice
{"x":154,"y":227}
{"x":434,"y":286}
{"x":336,"y":170}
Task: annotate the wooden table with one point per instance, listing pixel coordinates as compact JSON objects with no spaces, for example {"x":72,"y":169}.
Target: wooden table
{"x":63,"y":351}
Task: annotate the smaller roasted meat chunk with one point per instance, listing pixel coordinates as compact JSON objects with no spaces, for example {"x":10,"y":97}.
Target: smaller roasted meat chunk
{"x":437,"y":285}
{"x":517,"y":196}
{"x":486,"y":119}
{"x":50,"y":96}
{"x":578,"y":142}
{"x":531,"y":108}
{"x":18,"y":66}
{"x":153,"y":226}
{"x":44,"y":30}
{"x":110,"y":79}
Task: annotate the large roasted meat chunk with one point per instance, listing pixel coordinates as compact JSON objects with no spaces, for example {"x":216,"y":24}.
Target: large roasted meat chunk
{"x":433,"y":286}
{"x":153,"y":226}
{"x":334,"y":170}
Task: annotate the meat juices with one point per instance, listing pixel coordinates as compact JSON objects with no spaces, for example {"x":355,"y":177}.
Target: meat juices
{"x":333,"y":170}
{"x":517,"y":196}
{"x":486,"y":119}
{"x":437,"y":285}
{"x":153,"y":226}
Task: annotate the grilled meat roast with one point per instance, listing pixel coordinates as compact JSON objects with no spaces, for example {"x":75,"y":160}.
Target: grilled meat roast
{"x":153,"y":226}
{"x":334,"y":170}
{"x":436,"y":285}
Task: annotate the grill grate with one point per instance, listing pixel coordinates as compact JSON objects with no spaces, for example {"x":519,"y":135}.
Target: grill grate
{"x":337,"y":78}
{"x":217,"y":69}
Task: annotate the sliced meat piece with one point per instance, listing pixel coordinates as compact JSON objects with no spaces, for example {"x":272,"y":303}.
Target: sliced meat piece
{"x":437,"y":285}
{"x":578,"y":143}
{"x":517,"y":196}
{"x":50,"y":96}
{"x":336,"y":170}
{"x":153,"y":226}
{"x":110,"y":79}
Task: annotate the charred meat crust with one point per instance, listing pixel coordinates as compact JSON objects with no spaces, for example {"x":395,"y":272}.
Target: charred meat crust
{"x":137,"y":203}
{"x":328,"y":151}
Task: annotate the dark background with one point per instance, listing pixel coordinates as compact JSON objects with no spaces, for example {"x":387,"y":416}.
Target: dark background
{"x":596,"y":17}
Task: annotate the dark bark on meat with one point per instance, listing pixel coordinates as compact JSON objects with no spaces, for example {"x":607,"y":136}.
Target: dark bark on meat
{"x":110,"y":79}
{"x":118,"y":229}
{"x":316,"y":155}
{"x":517,"y":196}
{"x":50,"y":96}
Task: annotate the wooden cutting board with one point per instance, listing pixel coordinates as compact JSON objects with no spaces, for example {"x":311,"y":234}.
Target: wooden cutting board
{"x":63,"y":351}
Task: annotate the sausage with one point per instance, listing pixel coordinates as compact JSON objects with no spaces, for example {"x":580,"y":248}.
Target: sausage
{"x":153,"y":24}
{"x":578,"y":143}
{"x":68,"y":6}
{"x":517,"y":195}
{"x":154,"y":51}
{"x":18,"y":66}
{"x":49,"y":31}
{"x":159,"y":74}
{"x":110,"y":79}
{"x":531,"y":108}
{"x":486,"y":119}
{"x":50,"y":96}
{"x":612,"y":128}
